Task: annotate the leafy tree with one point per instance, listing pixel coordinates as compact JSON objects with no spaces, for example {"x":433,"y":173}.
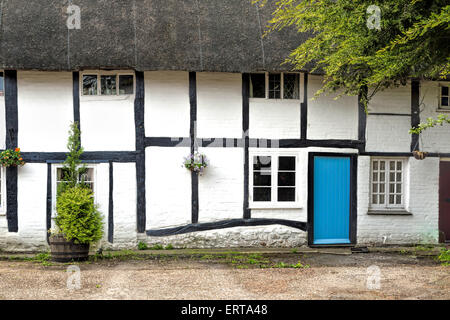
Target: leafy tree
{"x":412,"y":41}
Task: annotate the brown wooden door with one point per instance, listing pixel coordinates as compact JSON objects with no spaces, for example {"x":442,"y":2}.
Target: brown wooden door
{"x":444,"y":202}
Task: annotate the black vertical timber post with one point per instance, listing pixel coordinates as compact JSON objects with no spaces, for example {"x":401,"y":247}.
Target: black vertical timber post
{"x":362,"y":115}
{"x":140,"y":151}
{"x":76,"y":97}
{"x":12,"y":130}
{"x":111,"y":204}
{"x":246,"y":139}
{"x":49,"y":199}
{"x":304,"y":110}
{"x":415,"y":112}
{"x":193,"y":136}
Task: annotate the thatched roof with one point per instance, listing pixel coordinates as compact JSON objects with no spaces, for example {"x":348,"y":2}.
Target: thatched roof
{"x":193,"y":35}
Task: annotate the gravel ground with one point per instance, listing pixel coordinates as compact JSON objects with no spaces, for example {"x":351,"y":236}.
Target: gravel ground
{"x":329,"y":276}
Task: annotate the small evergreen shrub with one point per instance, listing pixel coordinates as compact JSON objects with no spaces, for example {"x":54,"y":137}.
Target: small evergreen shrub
{"x":142,"y":246}
{"x":78,"y":217}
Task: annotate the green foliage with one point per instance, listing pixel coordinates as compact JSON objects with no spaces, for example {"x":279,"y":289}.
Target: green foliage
{"x":73,"y":169}
{"x":412,"y":42}
{"x":430,"y":123}
{"x":11,"y":157}
{"x":156,"y":247}
{"x":444,"y":257}
{"x":169,"y":247}
{"x":142,"y":246}
{"x":78,"y":217}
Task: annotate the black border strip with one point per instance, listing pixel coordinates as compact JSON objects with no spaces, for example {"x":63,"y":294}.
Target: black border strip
{"x":49,"y":200}
{"x":111,"y":204}
{"x":192,"y":135}
{"x":116,"y":156}
{"x":390,"y":114}
{"x":76,"y":98}
{"x":246,"y":140}
{"x":139,"y":110}
{"x":353,"y":197}
{"x":415,"y":112}
{"x":167,"y":142}
{"x":12,"y":131}
{"x":304,"y":110}
{"x":225,"y":224}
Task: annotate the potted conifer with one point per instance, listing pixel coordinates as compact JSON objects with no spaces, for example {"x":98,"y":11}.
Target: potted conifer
{"x":78,"y":221}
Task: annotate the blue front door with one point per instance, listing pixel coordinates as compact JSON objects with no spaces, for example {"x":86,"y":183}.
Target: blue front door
{"x":331,"y":200}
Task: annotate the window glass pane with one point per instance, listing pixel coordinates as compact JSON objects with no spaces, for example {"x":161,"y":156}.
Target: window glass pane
{"x":444,"y":101}
{"x":291,"y":85}
{"x":126,"y":84}
{"x":261,"y":163}
{"x":108,"y":85}
{"x":286,"y":179}
{"x":381,"y":199}
{"x":444,"y":91}
{"x":261,"y":194}
{"x":257,"y":85}
{"x":89,"y":85}
{"x":286,"y":194}
{"x":286,"y":163}
{"x":263,"y":178}
{"x":274,"y":86}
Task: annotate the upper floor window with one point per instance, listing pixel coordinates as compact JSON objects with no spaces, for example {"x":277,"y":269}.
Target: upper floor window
{"x":444,"y":97}
{"x":387,"y":184}
{"x":2,"y":84}
{"x":275,"y":85}
{"x":273,"y":180}
{"x":108,"y":84}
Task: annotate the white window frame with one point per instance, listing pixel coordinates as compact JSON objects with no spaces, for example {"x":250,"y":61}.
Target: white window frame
{"x":107,"y":73}
{"x":3,"y":191}
{"x":55,"y":168}
{"x":440,"y":107}
{"x":386,"y":206}
{"x":273,"y":204}
{"x":281,"y":84}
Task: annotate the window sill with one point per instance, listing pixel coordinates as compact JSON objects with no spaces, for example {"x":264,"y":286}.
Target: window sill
{"x":294,"y":205}
{"x":389,"y":212}
{"x":273,"y":100}
{"x":442,"y":110}
{"x":107,"y":98}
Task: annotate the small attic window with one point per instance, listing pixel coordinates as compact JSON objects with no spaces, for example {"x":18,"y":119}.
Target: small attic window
{"x":444,"y":97}
{"x":107,"y":84}
{"x":275,"y":85}
{"x":2,"y":84}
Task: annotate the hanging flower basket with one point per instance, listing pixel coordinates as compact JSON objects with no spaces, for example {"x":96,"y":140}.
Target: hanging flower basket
{"x":11,"y":158}
{"x":420,"y":155}
{"x":196,"y":162}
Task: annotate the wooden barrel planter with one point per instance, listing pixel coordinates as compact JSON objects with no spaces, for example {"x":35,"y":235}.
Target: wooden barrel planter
{"x":66,"y":251}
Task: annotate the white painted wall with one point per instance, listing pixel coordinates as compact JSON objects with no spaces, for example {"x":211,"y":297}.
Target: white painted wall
{"x":435,"y":139}
{"x":167,"y":108}
{"x":124,"y":195}
{"x":219,"y":105}
{"x":274,"y":119}
{"x":393,"y":100}
{"x":107,"y":123}
{"x":45,"y":110}
{"x":329,"y":118}
{"x":386,"y":133}
{"x":168,"y":187}
{"x":422,"y":201}
{"x":221,"y":187}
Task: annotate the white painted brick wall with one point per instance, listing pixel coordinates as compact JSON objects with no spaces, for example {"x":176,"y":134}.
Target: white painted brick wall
{"x":219,"y":105}
{"x":435,"y":139}
{"x":274,"y":119}
{"x":422,"y":189}
{"x":45,"y":110}
{"x":221,"y":187}
{"x":167,"y":108}
{"x":329,"y":118}
{"x":107,"y":123}
{"x":2,"y":123}
{"x":168,"y":187}
{"x":124,"y":195}
{"x":388,"y":133}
